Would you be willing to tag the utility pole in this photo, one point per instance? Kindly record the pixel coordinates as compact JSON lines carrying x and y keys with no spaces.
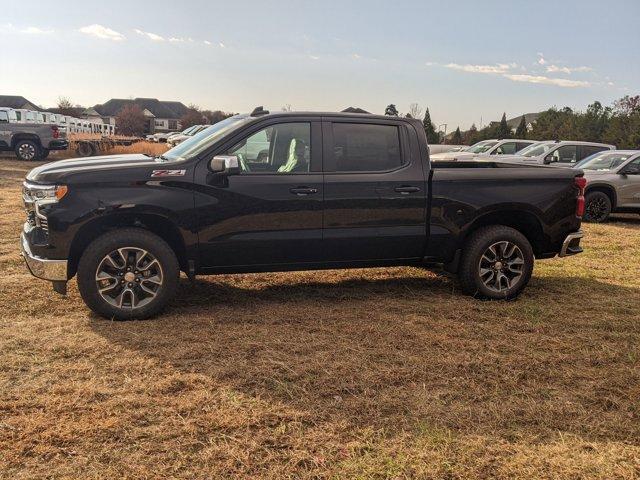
{"x":444,"y":137}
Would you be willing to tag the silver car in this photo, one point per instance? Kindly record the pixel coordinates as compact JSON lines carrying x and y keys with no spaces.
{"x":483,"y":149}
{"x":558,"y":153}
{"x":613,"y":184}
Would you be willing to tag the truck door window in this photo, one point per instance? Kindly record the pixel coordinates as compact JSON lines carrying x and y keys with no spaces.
{"x":284,"y":148}
{"x":508,"y":148}
{"x":4,"y":118}
{"x":565,"y":154}
{"x":366,"y":147}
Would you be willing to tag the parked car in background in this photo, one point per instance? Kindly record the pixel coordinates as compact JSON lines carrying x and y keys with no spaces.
{"x":26,"y":116}
{"x":8,"y":115}
{"x":334,"y":190}
{"x":30,"y":141}
{"x":613,"y":184}
{"x":485,"y":148}
{"x":559,"y":153}
{"x":174,"y":140}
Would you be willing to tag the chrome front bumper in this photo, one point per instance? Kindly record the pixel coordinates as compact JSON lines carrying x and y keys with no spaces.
{"x":571,"y":244}
{"x":53,"y":270}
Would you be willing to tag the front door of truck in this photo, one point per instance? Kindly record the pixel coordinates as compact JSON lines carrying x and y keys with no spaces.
{"x":271,"y":212}
{"x":629,"y":187}
{"x":374,"y":191}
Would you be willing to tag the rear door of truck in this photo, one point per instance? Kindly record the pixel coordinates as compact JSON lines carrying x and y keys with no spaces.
{"x":374,"y":190}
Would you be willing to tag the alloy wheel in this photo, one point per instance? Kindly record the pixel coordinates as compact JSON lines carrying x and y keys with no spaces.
{"x":501,"y":266}
{"x":596,"y":209}
{"x":129,"y":277}
{"x":27,"y":151}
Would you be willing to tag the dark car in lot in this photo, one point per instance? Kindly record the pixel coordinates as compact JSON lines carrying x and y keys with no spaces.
{"x":333,"y":191}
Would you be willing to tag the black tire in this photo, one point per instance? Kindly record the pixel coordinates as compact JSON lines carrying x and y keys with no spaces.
{"x":44,"y":153}
{"x":27,"y":150}
{"x":597,"y":207}
{"x":136,"y":238}
{"x":85,"y":149}
{"x":472,"y":260}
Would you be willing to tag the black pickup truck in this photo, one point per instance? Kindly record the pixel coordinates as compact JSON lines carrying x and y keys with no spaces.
{"x":292,"y":191}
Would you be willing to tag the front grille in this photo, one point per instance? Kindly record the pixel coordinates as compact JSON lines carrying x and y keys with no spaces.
{"x":44,"y":223}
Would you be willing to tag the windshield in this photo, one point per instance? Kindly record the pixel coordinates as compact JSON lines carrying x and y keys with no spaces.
{"x":603,"y":161}
{"x":536,"y":149}
{"x":481,"y":147}
{"x":204,"y":139}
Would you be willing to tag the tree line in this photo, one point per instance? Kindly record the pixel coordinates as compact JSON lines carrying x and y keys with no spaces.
{"x":618,"y":124}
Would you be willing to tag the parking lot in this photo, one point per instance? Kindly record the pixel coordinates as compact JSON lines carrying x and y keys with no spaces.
{"x":357,"y":373}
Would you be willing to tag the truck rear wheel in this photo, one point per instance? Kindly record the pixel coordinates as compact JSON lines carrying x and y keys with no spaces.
{"x":27,"y":150}
{"x":497,"y":263}
{"x":128,"y":274}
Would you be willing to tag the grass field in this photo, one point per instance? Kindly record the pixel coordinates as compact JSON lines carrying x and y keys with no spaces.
{"x":385,"y":373}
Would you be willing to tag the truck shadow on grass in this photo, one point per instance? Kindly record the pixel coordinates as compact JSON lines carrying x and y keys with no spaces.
{"x":408,"y":350}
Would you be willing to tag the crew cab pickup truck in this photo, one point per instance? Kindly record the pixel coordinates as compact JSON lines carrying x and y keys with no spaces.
{"x":30,"y":141}
{"x":336,"y":190}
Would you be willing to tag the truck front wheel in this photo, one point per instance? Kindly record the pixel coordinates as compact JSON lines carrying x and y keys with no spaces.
{"x":497,"y":263}
{"x":27,"y":150}
{"x":128,"y":274}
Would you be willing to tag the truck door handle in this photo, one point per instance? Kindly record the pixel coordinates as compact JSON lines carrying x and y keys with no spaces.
{"x":301,"y":191}
{"x":407,"y":190}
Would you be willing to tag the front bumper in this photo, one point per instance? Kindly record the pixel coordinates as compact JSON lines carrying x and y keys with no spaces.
{"x":53,"y":270}
{"x":571,"y":244}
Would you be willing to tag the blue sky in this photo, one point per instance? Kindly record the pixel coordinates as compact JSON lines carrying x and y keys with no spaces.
{"x":465,"y":60}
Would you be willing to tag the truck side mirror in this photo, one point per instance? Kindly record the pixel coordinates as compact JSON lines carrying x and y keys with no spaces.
{"x":225,"y":164}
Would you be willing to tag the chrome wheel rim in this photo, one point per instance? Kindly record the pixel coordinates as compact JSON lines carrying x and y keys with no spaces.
{"x":501,"y":266}
{"x":129,"y":278}
{"x":27,"y":151}
{"x":596,"y":209}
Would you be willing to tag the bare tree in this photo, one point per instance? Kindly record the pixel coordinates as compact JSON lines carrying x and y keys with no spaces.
{"x":286,"y":107}
{"x":65,"y":105}
{"x":415,"y":111}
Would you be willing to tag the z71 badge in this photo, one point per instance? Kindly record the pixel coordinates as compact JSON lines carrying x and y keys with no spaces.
{"x":168,"y":173}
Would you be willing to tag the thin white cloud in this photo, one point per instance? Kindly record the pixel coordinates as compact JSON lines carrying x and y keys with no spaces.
{"x":512,"y":71}
{"x":560,"y":82}
{"x":495,"y":69}
{"x":102,"y":32}
{"x":207,"y":42}
{"x":314,"y":57}
{"x":221,"y":45}
{"x":541,"y":60}
{"x":356,"y":56}
{"x":176,"y":39}
{"x":36,"y":31}
{"x":567,"y":70}
{"x":151,"y":36}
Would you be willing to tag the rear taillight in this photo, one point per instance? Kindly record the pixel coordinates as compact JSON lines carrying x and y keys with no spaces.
{"x":54,"y":131}
{"x":581,"y":183}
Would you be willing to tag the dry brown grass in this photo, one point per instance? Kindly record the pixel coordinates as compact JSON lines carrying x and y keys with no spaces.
{"x":143,"y":146}
{"x":386,"y":373}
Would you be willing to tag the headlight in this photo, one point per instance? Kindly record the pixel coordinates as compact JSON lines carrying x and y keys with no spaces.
{"x":43,"y":194}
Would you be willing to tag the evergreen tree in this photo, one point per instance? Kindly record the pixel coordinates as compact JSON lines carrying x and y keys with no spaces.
{"x":391,"y":110}
{"x":521,"y":131}
{"x":430,"y":129}
{"x":503,"y":129}
{"x":457,"y":137}
{"x":471,"y":135}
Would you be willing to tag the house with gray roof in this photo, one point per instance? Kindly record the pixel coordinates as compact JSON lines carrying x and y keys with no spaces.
{"x":162,"y":116}
{"x":17,"y":102}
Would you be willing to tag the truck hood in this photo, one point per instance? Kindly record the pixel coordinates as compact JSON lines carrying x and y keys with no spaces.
{"x":63,"y":170}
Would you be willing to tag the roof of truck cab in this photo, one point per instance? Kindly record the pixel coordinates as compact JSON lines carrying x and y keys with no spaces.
{"x":330,"y":114}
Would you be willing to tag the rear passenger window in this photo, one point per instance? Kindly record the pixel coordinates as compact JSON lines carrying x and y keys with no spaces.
{"x":366,"y":147}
